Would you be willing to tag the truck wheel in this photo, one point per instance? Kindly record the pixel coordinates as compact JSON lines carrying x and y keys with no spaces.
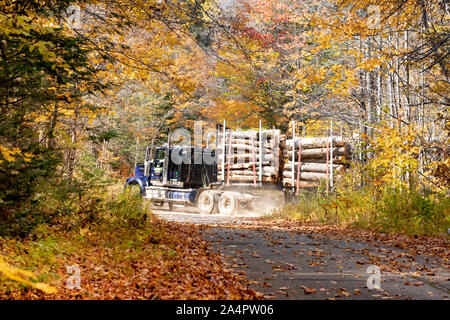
{"x":206,"y":202}
{"x":228,"y":203}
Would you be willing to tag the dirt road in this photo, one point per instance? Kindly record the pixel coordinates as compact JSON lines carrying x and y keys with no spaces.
{"x":312,"y":264}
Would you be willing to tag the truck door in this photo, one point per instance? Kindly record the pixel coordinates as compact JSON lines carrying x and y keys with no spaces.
{"x":157,"y":168}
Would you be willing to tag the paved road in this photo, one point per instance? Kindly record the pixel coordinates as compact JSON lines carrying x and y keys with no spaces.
{"x":191,"y":215}
{"x":303,"y":265}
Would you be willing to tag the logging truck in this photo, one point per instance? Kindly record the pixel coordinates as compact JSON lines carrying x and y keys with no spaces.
{"x":250,"y":170}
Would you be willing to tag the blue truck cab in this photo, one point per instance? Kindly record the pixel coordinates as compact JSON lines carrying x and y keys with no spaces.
{"x":163,"y":180}
{"x":140,"y":177}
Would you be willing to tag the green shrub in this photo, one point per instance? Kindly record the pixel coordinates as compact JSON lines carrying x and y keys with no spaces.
{"x":67,"y":202}
{"x":392,"y":210}
{"x":413,"y":213}
{"x":127,"y":209}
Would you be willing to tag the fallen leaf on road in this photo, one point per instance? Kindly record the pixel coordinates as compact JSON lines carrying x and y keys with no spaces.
{"x":254,"y":254}
{"x":309,"y":290}
{"x":416,"y":284}
{"x":344,"y":293}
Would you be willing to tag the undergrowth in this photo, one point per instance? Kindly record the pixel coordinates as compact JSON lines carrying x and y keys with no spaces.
{"x":119,"y":218}
{"x":390,"y":211}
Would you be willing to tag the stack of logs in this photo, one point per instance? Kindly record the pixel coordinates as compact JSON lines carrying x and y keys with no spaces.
{"x":315,"y":160}
{"x":242,"y":156}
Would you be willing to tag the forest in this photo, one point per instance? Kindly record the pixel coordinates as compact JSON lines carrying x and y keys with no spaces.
{"x":86,"y":86}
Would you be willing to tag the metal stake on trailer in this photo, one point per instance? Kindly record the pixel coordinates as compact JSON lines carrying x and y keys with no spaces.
{"x":328,"y":165}
{"x":331,"y":154}
{"x":223,"y":150}
{"x":254,"y":160}
{"x":299,"y":165}
{"x":260,"y":152}
{"x":293,"y":154}
{"x":217,"y":142}
{"x":229,"y":161}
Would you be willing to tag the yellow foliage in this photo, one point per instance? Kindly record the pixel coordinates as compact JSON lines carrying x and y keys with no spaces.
{"x":237,"y":113}
{"x":394,"y":155}
{"x":8,"y":154}
{"x":24,"y":277}
{"x":11,"y":154}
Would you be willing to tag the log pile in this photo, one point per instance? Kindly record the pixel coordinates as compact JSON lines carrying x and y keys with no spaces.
{"x":240,"y":156}
{"x":243,"y":156}
{"x":315,"y":160}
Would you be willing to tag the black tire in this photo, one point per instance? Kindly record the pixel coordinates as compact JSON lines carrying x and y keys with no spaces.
{"x":207,"y":201}
{"x":228,"y":203}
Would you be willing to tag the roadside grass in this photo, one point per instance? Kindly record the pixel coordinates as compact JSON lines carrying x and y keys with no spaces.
{"x":117,"y":222}
{"x":123,"y":252}
{"x":388,"y":211}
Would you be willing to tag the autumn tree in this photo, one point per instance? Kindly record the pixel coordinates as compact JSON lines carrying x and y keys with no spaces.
{"x":40,"y":65}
